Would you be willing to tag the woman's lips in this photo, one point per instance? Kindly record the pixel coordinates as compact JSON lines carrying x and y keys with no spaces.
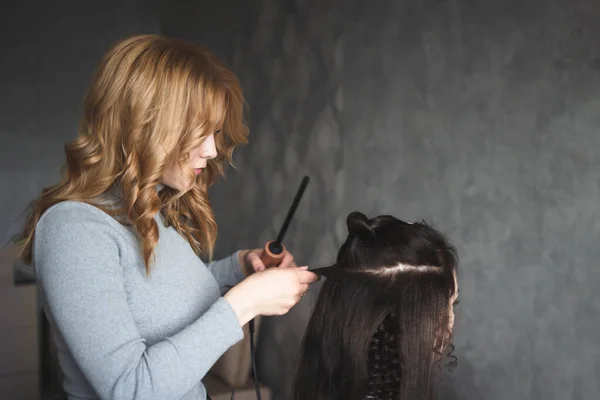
{"x":197,"y":170}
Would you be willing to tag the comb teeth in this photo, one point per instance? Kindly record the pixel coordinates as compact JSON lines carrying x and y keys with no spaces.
{"x":325,"y":271}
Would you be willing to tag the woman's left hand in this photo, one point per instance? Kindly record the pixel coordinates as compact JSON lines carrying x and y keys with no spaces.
{"x":250,"y":261}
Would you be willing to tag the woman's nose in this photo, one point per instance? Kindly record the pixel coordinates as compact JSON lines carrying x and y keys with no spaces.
{"x":208,"y":149}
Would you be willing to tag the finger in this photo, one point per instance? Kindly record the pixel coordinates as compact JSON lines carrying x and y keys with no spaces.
{"x":287,"y":261}
{"x":305,"y":268}
{"x":307,"y":276}
{"x":255,"y":262}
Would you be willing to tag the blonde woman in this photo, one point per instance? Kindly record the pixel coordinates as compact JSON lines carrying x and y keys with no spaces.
{"x":116,"y":244}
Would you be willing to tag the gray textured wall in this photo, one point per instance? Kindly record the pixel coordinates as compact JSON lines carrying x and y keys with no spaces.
{"x":480,"y":116}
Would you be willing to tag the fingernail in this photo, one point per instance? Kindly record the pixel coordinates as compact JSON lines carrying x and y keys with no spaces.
{"x":304,"y":267}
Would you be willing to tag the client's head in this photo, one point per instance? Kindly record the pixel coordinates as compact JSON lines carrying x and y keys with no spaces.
{"x":384,"y":316}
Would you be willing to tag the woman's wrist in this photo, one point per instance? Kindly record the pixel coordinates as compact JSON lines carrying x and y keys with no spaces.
{"x":240,"y":305}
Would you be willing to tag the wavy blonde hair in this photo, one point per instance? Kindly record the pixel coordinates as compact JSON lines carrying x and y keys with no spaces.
{"x":152,"y":100}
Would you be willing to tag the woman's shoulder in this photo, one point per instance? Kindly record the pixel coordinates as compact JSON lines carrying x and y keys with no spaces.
{"x":72,"y":210}
{"x":72,"y":216}
{"x":73,"y":237}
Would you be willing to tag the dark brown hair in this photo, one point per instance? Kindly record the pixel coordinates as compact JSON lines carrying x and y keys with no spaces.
{"x":382,"y":320}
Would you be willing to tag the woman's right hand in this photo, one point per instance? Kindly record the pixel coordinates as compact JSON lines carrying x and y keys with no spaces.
{"x":273,"y":291}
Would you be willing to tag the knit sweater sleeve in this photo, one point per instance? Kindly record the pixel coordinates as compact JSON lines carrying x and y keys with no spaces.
{"x":227,"y":272}
{"x":76,"y":256}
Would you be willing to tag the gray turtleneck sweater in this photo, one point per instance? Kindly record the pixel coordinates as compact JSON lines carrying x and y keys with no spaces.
{"x":120,"y":333}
